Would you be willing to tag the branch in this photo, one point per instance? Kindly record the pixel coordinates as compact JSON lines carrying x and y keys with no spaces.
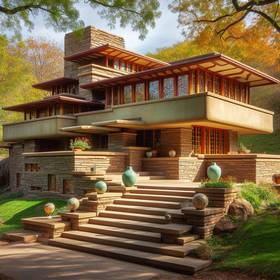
{"x":251,"y":4}
{"x":216,"y":19}
{"x":268,"y":18}
{"x":23,"y":8}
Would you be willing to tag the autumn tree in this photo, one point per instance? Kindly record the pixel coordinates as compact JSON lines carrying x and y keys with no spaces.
{"x":63,"y":15}
{"x":46,"y":58}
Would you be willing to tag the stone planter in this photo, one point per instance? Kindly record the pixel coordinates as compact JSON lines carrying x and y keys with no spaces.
{"x":219,"y":197}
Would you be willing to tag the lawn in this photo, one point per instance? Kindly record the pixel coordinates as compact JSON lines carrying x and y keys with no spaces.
{"x":263,"y":143}
{"x":253,"y":248}
{"x":13,"y":209}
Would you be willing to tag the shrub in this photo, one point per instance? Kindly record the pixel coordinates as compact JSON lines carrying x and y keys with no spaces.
{"x":217,"y":184}
{"x":80,"y":143}
{"x":259,"y":195}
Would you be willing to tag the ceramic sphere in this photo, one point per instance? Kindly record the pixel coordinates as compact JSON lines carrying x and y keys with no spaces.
{"x":172,"y":153}
{"x":100,"y":187}
{"x":73,"y":204}
{"x":200,"y":201}
{"x":49,"y":208}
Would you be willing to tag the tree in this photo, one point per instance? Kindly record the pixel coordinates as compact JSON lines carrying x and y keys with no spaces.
{"x":63,"y":15}
{"x":46,"y":58}
{"x":222,"y":15}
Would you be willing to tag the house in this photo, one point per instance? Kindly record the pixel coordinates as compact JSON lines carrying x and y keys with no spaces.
{"x":127,"y":103}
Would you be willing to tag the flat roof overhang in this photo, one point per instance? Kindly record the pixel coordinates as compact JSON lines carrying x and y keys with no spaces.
{"x":116,"y":52}
{"x":89,"y":129}
{"x":216,"y":63}
{"x":48,"y":85}
{"x":55,"y":99}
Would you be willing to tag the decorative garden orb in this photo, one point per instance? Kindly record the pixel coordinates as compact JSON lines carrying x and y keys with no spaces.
{"x":100,"y":187}
{"x":49,"y":209}
{"x":73,"y":204}
{"x":149,"y":154}
{"x":129,"y":177}
{"x":214,"y":172}
{"x":200,"y":201}
{"x":172,"y":153}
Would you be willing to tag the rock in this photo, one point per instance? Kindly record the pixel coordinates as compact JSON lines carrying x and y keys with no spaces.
{"x":225,"y":225}
{"x":203,"y":251}
{"x":241,"y":209}
{"x":200,"y":201}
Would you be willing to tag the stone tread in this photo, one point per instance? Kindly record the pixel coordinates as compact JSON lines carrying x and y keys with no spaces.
{"x":133,"y":216}
{"x":186,"y":239}
{"x":172,"y":198}
{"x":185,"y":265}
{"x":165,"y":187}
{"x":122,"y":232}
{"x":164,"y":192}
{"x":171,"y":228}
{"x":23,"y":235}
{"x":145,"y":210}
{"x":158,"y":248}
{"x":148,"y":203}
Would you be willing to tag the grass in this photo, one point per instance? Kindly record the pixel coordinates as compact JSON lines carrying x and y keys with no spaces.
{"x":266,"y":143}
{"x":217,"y":184}
{"x":253,"y":248}
{"x":13,"y":209}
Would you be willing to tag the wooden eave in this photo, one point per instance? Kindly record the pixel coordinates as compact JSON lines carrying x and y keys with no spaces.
{"x":112,"y":51}
{"x":48,"y":85}
{"x":56,"y":99}
{"x":89,"y":129}
{"x":215,"y":63}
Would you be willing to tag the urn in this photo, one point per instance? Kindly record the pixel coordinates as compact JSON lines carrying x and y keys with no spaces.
{"x":214,"y":172}
{"x":129,"y":177}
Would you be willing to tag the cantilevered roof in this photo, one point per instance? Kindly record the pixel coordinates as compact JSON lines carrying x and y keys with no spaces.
{"x":216,"y":63}
{"x":48,"y":85}
{"x":116,"y":52}
{"x":53,"y":100}
{"x":89,"y":129}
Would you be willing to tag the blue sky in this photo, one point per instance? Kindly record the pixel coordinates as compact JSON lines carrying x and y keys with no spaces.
{"x":164,"y":34}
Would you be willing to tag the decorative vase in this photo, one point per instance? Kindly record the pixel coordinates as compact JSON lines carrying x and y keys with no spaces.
{"x":172,"y":153}
{"x":73,"y":204}
{"x":49,"y":209}
{"x":129,"y":177}
{"x":100,"y":187}
{"x":200,"y":201}
{"x":149,"y":154}
{"x":214,"y":172}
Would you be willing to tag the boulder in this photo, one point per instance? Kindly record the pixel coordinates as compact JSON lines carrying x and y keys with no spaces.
{"x":225,"y":225}
{"x":241,"y":209}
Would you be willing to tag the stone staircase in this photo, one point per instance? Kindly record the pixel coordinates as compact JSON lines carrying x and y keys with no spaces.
{"x":145,"y":225}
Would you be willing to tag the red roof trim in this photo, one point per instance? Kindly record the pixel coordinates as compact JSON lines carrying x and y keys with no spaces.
{"x":55,"y":82}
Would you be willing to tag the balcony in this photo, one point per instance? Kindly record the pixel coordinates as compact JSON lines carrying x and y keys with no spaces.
{"x":205,"y":109}
{"x":38,"y":128}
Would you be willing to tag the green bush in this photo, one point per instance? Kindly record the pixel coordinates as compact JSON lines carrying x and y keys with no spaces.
{"x":217,"y":184}
{"x":259,"y":195}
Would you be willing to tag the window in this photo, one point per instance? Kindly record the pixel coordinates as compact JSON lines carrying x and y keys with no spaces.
{"x":226,"y":88}
{"x":140,"y":92}
{"x":168,"y":87}
{"x":209,"y":82}
{"x":52,"y":183}
{"x":193,"y":78}
{"x":201,"y":81}
{"x":217,"y":85}
{"x":127,"y":92}
{"x":116,"y":95}
{"x":31,"y":167}
{"x":123,"y":66}
{"x":183,"y":85}
{"x":68,"y":186}
{"x":154,"y":90}
{"x":18,"y":180}
{"x":116,"y":64}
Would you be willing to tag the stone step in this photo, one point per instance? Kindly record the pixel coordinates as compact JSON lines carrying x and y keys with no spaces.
{"x":157,"y":197}
{"x":146,"y":210}
{"x":184,"y":265}
{"x":182,"y":240}
{"x":134,"y":217}
{"x":26,"y":236}
{"x":148,"y":203}
{"x":171,"y":228}
{"x":164,"y":192}
{"x":179,"y":251}
{"x":166,"y":187}
{"x":122,"y":232}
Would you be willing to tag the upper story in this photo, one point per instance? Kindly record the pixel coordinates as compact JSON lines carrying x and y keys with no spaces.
{"x":104,"y":82}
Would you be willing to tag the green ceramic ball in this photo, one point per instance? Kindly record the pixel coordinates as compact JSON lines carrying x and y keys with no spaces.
{"x":100,"y":187}
{"x":73,"y":204}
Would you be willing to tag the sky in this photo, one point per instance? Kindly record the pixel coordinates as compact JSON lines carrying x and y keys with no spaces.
{"x":165,"y":34}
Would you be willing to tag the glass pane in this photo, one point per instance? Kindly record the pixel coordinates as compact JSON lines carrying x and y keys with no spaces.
{"x":123,"y":66}
{"x":226,"y":88}
{"x":140,"y":92}
{"x":217,"y":85}
{"x":183,"y":85}
{"x":154,"y":90}
{"x":168,"y":87}
{"x":127,"y":94}
{"x":201,"y":82}
{"x":116,"y":64}
{"x":209,"y":83}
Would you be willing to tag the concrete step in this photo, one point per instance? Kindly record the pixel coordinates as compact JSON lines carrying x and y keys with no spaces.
{"x":182,"y":240}
{"x":148,"y":203}
{"x":157,"y":197}
{"x":26,"y":236}
{"x":171,"y":228}
{"x":146,"y":210}
{"x":122,"y":232}
{"x":179,"y":251}
{"x":134,"y":217}
{"x":184,"y":265}
{"x":164,"y":192}
{"x":165,"y":187}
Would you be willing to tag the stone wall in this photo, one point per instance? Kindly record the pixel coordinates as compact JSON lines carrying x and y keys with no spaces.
{"x":117,"y":141}
{"x":16,"y":165}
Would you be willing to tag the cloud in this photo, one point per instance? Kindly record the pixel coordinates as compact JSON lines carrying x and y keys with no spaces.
{"x":164,"y":34}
